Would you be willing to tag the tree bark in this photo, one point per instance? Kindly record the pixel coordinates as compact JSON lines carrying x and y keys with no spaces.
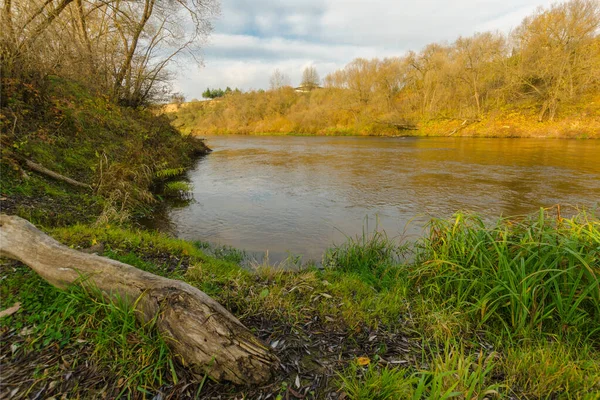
{"x":125,"y":69}
{"x":199,"y":330}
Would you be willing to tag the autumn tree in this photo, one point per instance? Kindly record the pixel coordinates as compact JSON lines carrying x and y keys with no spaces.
{"x":475,"y":58}
{"x":551,"y":59}
{"x":123,"y":47}
{"x":557,"y":52}
{"x":278,"y":80}
{"x":310,"y":78}
{"x":429,"y":76}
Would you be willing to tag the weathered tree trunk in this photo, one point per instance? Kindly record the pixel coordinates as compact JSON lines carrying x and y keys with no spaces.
{"x":42,"y":170}
{"x":198,"y":329}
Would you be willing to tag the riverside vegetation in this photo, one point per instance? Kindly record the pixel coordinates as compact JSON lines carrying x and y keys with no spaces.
{"x":472,"y":310}
{"x":503,"y":311}
{"x":542,"y":80}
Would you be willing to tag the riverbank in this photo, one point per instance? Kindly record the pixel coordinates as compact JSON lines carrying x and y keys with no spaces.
{"x":504,"y":311}
{"x":509,"y":310}
{"x":250,"y":114}
{"x":124,"y":161}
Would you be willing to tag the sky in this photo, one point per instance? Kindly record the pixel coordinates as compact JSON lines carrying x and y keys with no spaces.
{"x":252,"y":38}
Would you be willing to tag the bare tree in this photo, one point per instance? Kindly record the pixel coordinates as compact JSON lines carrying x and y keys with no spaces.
{"x":162,"y":31}
{"x":123,"y":47}
{"x":310,"y":78}
{"x":557,"y":52}
{"x":278,"y":80}
{"x":474,"y":57}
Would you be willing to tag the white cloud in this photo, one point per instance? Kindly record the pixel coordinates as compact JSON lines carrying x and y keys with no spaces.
{"x":253,"y":37}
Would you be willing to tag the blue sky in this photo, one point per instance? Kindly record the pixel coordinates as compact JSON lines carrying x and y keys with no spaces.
{"x":254,"y":37}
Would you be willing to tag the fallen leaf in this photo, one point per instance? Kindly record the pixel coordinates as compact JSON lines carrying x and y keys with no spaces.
{"x":28,"y":330}
{"x":10,"y":310}
{"x":363,"y":360}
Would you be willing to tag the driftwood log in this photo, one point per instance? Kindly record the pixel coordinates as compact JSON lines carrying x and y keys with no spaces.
{"x":197,"y":328}
{"x":54,"y":175}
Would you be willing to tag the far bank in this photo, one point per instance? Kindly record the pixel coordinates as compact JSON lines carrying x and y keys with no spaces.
{"x":306,"y":114}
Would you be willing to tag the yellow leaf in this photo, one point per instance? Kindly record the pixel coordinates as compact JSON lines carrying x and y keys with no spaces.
{"x":363,"y":361}
{"x":94,"y":241}
{"x":10,"y":310}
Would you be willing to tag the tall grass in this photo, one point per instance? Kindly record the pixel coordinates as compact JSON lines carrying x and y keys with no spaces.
{"x":373,"y":256}
{"x":536,"y":275}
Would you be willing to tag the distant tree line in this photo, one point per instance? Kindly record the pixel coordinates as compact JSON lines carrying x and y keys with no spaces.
{"x":546,"y":68}
{"x":215,"y":93}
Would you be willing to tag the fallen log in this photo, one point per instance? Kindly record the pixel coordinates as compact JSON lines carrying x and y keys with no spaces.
{"x":401,"y":126}
{"x":54,"y":175}
{"x":206,"y":337}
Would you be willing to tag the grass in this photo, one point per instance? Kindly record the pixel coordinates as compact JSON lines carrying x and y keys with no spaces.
{"x":540,"y":275}
{"x":126,"y":155}
{"x":553,"y":369}
{"x":92,"y":330}
{"x":482,"y":311}
{"x":451,"y":375}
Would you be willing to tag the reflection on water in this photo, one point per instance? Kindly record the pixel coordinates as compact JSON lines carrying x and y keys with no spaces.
{"x":302,"y":194}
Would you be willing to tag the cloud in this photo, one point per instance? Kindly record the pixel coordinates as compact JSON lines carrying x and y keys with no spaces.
{"x":245,"y":47}
{"x":252,"y":38}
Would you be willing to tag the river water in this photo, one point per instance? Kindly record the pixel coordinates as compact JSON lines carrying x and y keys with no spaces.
{"x":300,"y":195}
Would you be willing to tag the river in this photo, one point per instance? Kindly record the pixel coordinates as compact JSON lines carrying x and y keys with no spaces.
{"x":300,"y":195}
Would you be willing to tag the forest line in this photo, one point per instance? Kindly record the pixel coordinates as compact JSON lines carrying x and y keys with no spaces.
{"x":543,"y":78}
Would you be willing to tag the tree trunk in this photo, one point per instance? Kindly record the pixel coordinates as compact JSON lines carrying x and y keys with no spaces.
{"x":198,"y":329}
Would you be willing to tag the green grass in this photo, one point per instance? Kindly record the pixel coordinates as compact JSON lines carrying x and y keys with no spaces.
{"x":540,"y":275}
{"x":496,"y":310}
{"x":121,"y":152}
{"x":373,"y":257}
{"x":105,"y":333}
{"x":377,"y":383}
{"x":452,"y":374}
